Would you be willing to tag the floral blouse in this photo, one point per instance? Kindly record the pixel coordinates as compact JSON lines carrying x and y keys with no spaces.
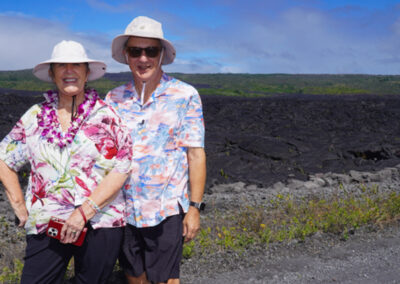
{"x":62,"y":177}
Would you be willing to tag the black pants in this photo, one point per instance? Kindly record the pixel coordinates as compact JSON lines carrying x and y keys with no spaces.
{"x":46,"y":259}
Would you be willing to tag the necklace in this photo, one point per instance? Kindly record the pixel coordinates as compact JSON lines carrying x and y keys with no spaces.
{"x":48,"y":120}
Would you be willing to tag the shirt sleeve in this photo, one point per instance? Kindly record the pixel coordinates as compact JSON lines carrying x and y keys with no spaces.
{"x":191,"y":133}
{"x":107,"y":98}
{"x":125,"y":148}
{"x":13,"y":148}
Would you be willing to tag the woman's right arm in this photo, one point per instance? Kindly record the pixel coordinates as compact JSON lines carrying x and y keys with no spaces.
{"x":9,"y":178}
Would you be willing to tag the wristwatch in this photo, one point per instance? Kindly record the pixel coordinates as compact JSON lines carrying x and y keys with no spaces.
{"x":198,"y":205}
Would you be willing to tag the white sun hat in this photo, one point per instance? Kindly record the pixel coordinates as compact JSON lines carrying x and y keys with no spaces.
{"x":142,"y":27}
{"x":68,"y":51}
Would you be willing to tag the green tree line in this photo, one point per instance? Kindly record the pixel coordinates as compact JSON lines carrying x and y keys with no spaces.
{"x":245,"y":85}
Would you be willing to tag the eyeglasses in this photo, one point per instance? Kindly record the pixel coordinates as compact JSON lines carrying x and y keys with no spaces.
{"x":150,"y":51}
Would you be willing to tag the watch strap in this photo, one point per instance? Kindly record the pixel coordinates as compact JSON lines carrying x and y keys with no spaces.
{"x":198,"y":205}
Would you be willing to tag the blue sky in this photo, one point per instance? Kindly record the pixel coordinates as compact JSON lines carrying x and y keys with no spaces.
{"x":214,"y":36}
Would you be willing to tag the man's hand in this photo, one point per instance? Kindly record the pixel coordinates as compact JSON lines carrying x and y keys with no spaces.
{"x":191,"y":224}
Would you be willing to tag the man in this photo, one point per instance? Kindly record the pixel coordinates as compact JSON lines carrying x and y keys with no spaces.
{"x":165,"y":118}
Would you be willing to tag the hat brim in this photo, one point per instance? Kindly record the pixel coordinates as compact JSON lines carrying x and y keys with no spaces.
{"x":118,"y":45}
{"x":97,"y":68}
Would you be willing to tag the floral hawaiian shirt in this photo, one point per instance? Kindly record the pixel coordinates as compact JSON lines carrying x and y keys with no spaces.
{"x":62,"y":178}
{"x":162,"y":129}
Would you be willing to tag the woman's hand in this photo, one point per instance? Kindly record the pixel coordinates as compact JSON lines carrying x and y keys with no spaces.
{"x":106,"y":191}
{"x":14,"y":193}
{"x":72,"y":228}
{"x":21,"y":213}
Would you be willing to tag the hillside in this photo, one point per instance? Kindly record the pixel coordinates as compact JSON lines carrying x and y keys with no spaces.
{"x":245,"y":85}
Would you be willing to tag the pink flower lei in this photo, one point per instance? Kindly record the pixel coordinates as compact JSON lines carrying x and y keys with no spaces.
{"x":48,"y":120}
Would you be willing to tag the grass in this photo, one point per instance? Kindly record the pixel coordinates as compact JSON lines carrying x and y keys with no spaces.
{"x":284,"y":219}
{"x":242,"y":85}
{"x":281,"y":219}
{"x":12,"y":275}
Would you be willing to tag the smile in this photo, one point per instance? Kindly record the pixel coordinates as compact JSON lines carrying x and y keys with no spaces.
{"x":70,"y":80}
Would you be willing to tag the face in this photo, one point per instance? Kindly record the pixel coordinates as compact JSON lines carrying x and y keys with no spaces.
{"x":144,"y":67}
{"x":70,"y":78}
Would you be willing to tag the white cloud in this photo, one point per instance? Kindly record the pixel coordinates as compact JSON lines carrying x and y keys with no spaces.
{"x":263,"y":38}
{"x":27,"y":41}
{"x":302,"y":40}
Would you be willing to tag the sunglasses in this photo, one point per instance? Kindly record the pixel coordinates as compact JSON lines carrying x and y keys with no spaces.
{"x":150,"y":51}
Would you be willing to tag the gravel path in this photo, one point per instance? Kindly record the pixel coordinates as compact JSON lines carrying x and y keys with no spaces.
{"x":366,"y":257}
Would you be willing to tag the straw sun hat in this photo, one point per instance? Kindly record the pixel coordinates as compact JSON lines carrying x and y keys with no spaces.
{"x":142,"y":27}
{"x":68,"y":51}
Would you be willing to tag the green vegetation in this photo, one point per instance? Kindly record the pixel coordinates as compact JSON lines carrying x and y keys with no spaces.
{"x":267,"y":84}
{"x":283,"y":219}
{"x":279,"y":220}
{"x":7,"y":237}
{"x":245,"y":85}
{"x":12,"y":275}
{"x":22,"y":80}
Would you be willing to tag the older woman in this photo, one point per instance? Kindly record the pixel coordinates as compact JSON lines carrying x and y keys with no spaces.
{"x":80,"y":156}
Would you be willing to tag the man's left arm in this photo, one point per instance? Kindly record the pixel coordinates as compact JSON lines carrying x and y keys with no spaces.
{"x":197,"y":180}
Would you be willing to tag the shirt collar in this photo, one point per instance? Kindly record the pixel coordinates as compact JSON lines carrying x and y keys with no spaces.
{"x":158,"y":91}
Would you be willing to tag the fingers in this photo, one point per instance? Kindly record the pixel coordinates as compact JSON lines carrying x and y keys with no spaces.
{"x":190,"y":230}
{"x":191,"y":224}
{"x":191,"y":233}
{"x":74,"y":236}
{"x":21,"y":221}
{"x":21,"y":215}
{"x":72,"y":228}
{"x":185,"y":229}
{"x":69,"y":234}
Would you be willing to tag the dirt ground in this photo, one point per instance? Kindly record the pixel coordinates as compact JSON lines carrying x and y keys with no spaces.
{"x":296,"y":138}
{"x":366,"y":257}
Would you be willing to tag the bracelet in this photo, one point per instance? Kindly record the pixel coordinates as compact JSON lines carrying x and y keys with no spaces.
{"x":83,"y":214}
{"x":93,"y":205}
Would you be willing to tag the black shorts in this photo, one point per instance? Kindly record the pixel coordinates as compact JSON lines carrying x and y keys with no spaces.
{"x":46,"y":259}
{"x":155,"y":250}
